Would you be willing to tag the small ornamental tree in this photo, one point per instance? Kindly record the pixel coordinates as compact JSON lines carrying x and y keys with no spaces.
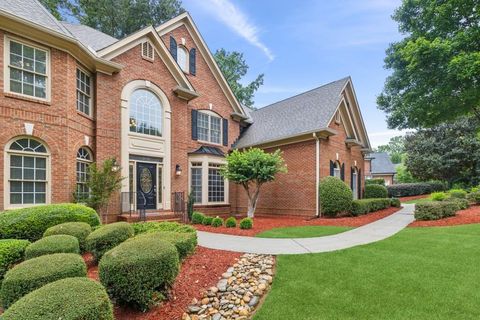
{"x":251,"y":169}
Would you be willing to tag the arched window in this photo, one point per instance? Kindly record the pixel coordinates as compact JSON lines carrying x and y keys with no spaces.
{"x":182,"y":58}
{"x":27,"y":172}
{"x":337,"y":170}
{"x":146,"y":113}
{"x":354,"y":182}
{"x":84,"y":159}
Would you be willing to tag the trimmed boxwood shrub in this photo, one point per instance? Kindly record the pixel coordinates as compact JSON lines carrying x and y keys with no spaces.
{"x":66,"y":299}
{"x":373,"y":191}
{"x":335,"y":196}
{"x":207,"y":220}
{"x":231,"y":222}
{"x":474,"y":197}
{"x":185,"y":243}
{"x":197,"y":217}
{"x":142,"y":227}
{"x":217,"y":222}
{"x":12,"y":251}
{"x":246,"y":223}
{"x":138,"y":271}
{"x":31,"y":223}
{"x":107,"y":237}
{"x":375,"y":181}
{"x":457,"y":193}
{"x":364,"y":206}
{"x":414,"y":189}
{"x":434,"y":210}
{"x":35,"y":273}
{"x":395,"y":202}
{"x":79,"y":230}
{"x":61,"y":243}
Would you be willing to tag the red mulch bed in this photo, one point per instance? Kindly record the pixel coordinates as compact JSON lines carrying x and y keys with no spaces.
{"x":467,"y":216}
{"x":263,"y":223}
{"x":198,"y":272}
{"x":404,"y":199}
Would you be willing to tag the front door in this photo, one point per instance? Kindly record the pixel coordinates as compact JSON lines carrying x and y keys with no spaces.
{"x":146,"y":186}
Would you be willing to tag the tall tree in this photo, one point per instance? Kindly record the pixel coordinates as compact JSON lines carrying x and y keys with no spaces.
{"x":55,"y":7}
{"x":436,"y":67}
{"x":234,"y":68}
{"x":395,"y":148}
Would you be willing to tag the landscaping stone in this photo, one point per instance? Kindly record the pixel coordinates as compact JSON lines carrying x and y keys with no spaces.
{"x":238,"y":292}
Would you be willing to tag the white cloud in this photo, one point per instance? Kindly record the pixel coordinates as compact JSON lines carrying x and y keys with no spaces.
{"x":382,"y":137}
{"x":235,"y":19}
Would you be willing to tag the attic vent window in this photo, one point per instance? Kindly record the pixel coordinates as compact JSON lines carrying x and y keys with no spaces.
{"x":147,"y":51}
{"x":337,"y":117}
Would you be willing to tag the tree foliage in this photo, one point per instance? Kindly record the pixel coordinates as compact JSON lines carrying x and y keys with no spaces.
{"x":395,"y":148}
{"x":251,"y":169}
{"x":448,"y":152}
{"x":55,"y":7}
{"x":234,"y":68}
{"x":436,"y":67}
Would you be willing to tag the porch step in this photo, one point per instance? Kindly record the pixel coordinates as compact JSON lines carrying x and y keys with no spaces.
{"x":150,"y":216}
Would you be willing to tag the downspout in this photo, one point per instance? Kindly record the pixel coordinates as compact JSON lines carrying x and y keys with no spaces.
{"x":317,"y":176}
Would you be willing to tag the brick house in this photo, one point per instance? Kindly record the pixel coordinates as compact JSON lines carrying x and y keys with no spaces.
{"x":379,"y":166}
{"x":157,"y":103}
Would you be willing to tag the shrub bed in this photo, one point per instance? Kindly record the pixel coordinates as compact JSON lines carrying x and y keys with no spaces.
{"x":434,"y":210}
{"x":364,"y":206}
{"x":107,"y":237}
{"x":414,"y":189}
{"x":79,"y":230}
{"x":457,"y":193}
{"x":12,"y":251}
{"x":61,"y":243}
{"x":246,"y":223}
{"x":474,"y":197}
{"x":375,"y":181}
{"x":461,"y":203}
{"x":217,"y":222}
{"x":207,"y":221}
{"x":142,"y":227}
{"x":67,"y":299}
{"x":231,"y":222}
{"x":335,"y":196}
{"x":375,"y":191}
{"x":197,"y":217}
{"x":395,"y":202}
{"x":185,"y":243}
{"x":438,"y":196}
{"x":35,"y":273}
{"x":31,"y":223}
{"x":139,"y":270}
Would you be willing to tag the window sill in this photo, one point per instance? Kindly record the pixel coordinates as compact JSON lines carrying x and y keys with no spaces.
{"x":86,"y":116}
{"x":27,"y":98}
{"x":22,"y":206}
{"x":211,"y":204}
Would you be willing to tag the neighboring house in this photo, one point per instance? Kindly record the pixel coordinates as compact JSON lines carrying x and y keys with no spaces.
{"x":157,"y":102}
{"x":379,"y":166}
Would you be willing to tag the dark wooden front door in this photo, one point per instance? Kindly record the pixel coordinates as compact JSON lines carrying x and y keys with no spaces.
{"x":146,"y":186}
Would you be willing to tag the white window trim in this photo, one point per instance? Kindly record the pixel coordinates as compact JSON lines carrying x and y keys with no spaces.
{"x":337,"y":168}
{"x":6,"y":171}
{"x":338,"y":118}
{"x":90,"y":107}
{"x":187,"y":59}
{"x":210,"y":115}
{"x":146,"y":57}
{"x":206,"y":160}
{"x":6,"y":68}
{"x":88,"y":162}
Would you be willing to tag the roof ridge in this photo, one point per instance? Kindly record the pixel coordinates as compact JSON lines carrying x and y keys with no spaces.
{"x":50,"y":15}
{"x":86,"y":26}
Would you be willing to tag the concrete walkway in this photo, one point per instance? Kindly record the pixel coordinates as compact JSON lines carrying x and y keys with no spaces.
{"x":372,"y":232}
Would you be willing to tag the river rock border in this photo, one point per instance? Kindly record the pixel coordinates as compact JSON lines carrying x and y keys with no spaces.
{"x":238,"y":292}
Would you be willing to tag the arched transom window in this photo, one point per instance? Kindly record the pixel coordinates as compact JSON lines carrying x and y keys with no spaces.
{"x":27,"y":172}
{"x":146,"y":113}
{"x":84,"y":159}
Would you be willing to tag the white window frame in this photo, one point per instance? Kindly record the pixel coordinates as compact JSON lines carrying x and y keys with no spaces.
{"x":6,"y":171}
{"x":205,"y":161}
{"x":355,"y":183}
{"x":211,"y":115}
{"x":186,"y":67}
{"x":337,"y":170}
{"x":6,"y":69}
{"x":89,"y":95}
{"x":87,"y":163}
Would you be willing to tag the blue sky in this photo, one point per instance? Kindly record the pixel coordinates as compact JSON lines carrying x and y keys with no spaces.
{"x":300,"y":45}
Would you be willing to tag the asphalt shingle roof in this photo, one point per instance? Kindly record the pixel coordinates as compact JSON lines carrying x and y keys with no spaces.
{"x":303,"y":113}
{"x":381,"y":163}
{"x":88,"y":36}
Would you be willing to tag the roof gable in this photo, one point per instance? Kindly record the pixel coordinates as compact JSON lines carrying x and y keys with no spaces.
{"x":381,"y":163}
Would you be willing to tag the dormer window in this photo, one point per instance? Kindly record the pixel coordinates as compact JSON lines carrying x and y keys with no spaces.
{"x":182,"y":58}
{"x":147,"y":51}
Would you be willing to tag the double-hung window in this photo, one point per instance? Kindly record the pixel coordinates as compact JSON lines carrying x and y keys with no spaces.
{"x":209,"y":128}
{"x":84,"y":160}
{"x":216,"y":184}
{"x":84,"y":92}
{"x":207,"y":185}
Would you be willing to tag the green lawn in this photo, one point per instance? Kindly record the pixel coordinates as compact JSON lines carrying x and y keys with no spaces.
{"x":302,"y":232}
{"x":419,"y":200}
{"x":420,"y":273}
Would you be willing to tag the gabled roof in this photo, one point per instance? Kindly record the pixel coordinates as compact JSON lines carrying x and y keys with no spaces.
{"x":307,"y":112}
{"x":213,"y":151}
{"x":381,"y":163}
{"x":88,"y":36}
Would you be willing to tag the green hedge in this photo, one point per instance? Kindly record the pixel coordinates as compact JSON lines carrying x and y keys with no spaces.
{"x":461,"y":203}
{"x":364,"y":206}
{"x":197,"y":217}
{"x":61,"y":243}
{"x":142,"y":227}
{"x":12,"y":251}
{"x":79,"y":230}
{"x":457,"y":193}
{"x":37,"y":272}
{"x":139,"y":270}
{"x":246,"y":223}
{"x":107,"y":237}
{"x":414,"y":189}
{"x":31,"y":223}
{"x":375,"y":181}
{"x":207,"y":221}
{"x":434,"y":210}
{"x":231,"y":222}
{"x":474,"y":197}
{"x":185,"y":243}
{"x":395,"y":202}
{"x":217,"y":222}
{"x":375,"y":191}
{"x":66,"y":299}
{"x":335,"y":196}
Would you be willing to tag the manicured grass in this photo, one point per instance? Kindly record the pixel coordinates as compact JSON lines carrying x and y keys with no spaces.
{"x":302,"y":232}
{"x":419,"y":200}
{"x":420,"y":273}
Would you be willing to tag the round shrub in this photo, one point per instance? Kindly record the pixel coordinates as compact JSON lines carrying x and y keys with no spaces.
{"x":107,"y":237}
{"x":142,"y":227}
{"x":139,"y":270}
{"x":66,"y":299}
{"x":31,"y":223}
{"x":185,"y":243}
{"x":395,"y":202}
{"x":207,"y":221}
{"x":458,"y":193}
{"x":12,"y":251}
{"x":231,"y":222}
{"x":375,"y":191}
{"x":246,"y":223}
{"x":335,"y":196}
{"x":379,"y":181}
{"x":217,"y":222}
{"x":474,"y":197}
{"x":197,"y":217}
{"x":61,"y":243}
{"x":35,"y":273}
{"x":438,"y":196}
{"x":79,"y":230}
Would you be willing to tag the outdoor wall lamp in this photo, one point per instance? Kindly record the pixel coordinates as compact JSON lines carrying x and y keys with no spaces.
{"x":178,"y":170}
{"x":115,"y":166}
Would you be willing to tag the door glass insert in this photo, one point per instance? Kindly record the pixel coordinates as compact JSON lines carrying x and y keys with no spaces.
{"x":146,"y":180}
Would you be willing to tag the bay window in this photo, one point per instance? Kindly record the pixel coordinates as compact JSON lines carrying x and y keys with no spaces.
{"x":207,"y":185}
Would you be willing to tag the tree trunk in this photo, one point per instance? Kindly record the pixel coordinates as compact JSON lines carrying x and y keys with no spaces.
{"x":252,"y":199}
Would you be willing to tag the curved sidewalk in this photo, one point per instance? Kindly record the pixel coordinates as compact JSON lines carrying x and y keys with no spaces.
{"x":372,"y":232}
